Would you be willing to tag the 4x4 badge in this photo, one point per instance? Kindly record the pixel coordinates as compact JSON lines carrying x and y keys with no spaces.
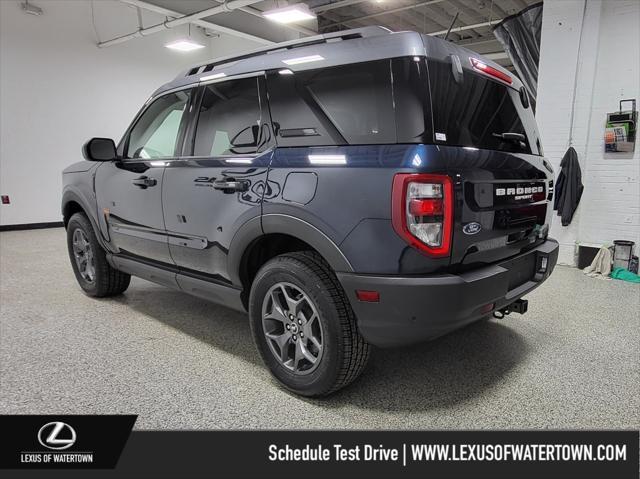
{"x":471,"y":228}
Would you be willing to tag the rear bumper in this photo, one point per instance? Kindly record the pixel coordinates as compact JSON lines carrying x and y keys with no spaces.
{"x":415,"y":309}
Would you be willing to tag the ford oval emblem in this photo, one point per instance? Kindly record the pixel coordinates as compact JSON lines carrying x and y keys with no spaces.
{"x":471,"y":228}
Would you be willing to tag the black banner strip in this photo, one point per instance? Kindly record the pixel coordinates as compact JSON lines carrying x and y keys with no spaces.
{"x":316,"y":454}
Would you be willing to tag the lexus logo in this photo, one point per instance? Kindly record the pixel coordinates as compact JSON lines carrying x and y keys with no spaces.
{"x":57,"y":435}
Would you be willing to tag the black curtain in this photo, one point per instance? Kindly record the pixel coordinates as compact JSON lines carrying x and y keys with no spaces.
{"x":519,"y":34}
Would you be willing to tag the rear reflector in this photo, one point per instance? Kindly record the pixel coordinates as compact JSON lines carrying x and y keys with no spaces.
{"x":487,"y":308}
{"x":482,"y":67}
{"x":368,"y":296}
{"x":543,"y":262}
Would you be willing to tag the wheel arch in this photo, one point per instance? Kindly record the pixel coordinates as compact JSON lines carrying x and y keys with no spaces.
{"x":72,"y":203}
{"x":263,"y":238}
{"x":70,"y":208}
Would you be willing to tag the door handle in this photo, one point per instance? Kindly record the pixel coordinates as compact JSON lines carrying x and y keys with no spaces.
{"x":144,"y":182}
{"x":231,"y":185}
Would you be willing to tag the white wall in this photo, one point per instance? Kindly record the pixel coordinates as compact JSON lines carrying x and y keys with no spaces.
{"x":608,"y":70}
{"x":58,"y":89}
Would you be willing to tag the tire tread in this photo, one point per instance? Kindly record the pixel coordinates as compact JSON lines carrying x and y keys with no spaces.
{"x":356,"y":350}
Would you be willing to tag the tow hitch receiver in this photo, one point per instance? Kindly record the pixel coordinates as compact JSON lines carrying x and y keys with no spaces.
{"x":519,"y":306}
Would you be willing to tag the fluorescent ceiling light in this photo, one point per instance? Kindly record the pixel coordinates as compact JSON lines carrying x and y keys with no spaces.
{"x":213,"y":77}
{"x":290,"y":14}
{"x":242,"y":161}
{"x":157,"y":163}
{"x":31,"y":9}
{"x":184,"y":45}
{"x":299,"y":60}
{"x":286,"y":71}
{"x":327,"y":159}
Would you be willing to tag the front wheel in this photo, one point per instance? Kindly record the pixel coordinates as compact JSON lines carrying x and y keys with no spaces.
{"x":304,"y":326}
{"x":93,"y":272}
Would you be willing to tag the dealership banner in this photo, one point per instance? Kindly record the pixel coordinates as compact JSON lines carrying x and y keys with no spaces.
{"x":63,"y":442}
{"x":105,"y":446}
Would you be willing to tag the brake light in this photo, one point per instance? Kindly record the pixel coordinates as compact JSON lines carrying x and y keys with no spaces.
{"x":422,"y":211}
{"x":426,"y":207}
{"x":482,"y":67}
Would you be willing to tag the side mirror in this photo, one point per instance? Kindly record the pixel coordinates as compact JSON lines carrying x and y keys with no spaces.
{"x":99,"y":149}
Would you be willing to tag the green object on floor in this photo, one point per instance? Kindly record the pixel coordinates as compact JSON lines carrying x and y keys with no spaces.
{"x":625,"y":275}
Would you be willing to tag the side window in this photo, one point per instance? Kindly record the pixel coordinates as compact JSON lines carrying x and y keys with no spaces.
{"x":412,"y":100}
{"x":348,"y":104}
{"x":296,"y":118}
{"x":357,"y":99}
{"x":156,"y":131}
{"x":229,"y":121}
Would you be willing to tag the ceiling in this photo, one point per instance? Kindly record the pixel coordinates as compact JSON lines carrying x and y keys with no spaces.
{"x":472,"y":28}
{"x":427,"y":17}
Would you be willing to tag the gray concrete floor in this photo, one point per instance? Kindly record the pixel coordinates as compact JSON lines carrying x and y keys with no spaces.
{"x":182,"y":363}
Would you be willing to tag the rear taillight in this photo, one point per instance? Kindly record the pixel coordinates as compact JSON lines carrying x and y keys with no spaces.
{"x":482,"y":67}
{"x":422,"y":211}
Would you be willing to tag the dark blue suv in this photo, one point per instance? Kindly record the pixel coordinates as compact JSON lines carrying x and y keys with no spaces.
{"x":353,"y":189}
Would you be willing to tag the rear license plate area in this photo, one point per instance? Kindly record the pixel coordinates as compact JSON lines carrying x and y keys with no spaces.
{"x":521,"y":270}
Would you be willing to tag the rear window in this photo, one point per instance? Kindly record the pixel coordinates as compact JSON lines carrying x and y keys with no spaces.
{"x":474,"y":111}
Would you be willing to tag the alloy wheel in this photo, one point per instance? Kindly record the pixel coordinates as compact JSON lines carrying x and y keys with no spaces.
{"x":293,"y":328}
{"x":83,"y":254}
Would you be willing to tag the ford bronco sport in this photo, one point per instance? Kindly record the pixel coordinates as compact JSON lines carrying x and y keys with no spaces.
{"x":353,"y":189}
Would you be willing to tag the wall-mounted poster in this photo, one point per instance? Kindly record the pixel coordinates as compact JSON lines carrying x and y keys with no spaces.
{"x":620,"y":131}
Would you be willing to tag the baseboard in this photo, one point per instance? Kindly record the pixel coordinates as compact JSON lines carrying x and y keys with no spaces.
{"x":31,"y":226}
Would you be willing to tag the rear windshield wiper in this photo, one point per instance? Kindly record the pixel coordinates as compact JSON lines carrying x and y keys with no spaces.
{"x":508,"y":136}
{"x":516,"y":138}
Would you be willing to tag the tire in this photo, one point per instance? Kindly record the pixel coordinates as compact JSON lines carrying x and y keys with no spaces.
{"x":306,"y":278}
{"x":101,"y":280}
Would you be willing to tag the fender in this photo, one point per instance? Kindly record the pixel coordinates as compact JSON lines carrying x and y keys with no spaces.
{"x":72,"y":194}
{"x":281,"y":223}
{"x":284,"y":224}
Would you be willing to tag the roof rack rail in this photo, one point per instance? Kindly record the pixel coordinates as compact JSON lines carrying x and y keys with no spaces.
{"x":371,"y":31}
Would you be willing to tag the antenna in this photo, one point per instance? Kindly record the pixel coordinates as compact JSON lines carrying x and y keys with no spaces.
{"x":452,"y":24}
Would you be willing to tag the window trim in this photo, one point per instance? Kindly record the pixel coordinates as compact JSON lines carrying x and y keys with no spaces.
{"x":231,"y":78}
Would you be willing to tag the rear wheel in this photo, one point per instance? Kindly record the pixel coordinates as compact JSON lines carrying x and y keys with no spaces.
{"x":304,"y":327}
{"x":89,"y":262}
